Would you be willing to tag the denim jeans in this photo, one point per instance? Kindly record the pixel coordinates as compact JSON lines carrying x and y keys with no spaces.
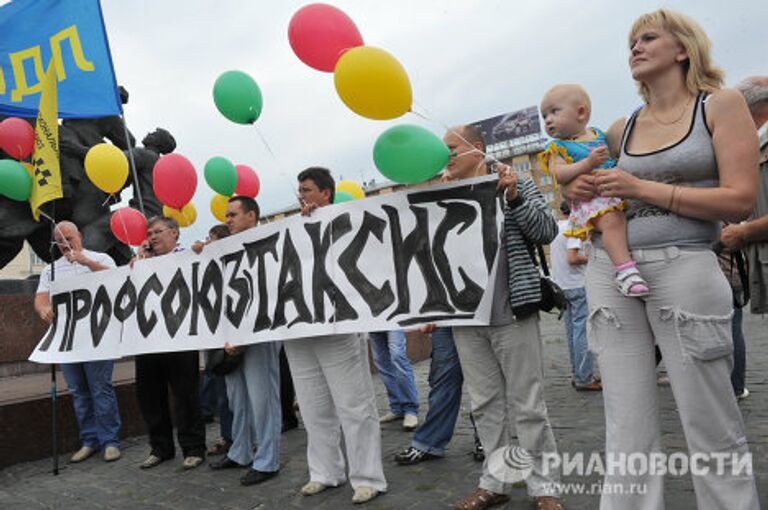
{"x":396,"y":371}
{"x":253,"y":389}
{"x":445,"y":380}
{"x":575,"y":319}
{"x":222,"y":406}
{"x":739,"y":349}
{"x":93,"y":398}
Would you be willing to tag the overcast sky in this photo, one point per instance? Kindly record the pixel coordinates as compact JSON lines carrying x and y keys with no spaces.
{"x":467,"y":60}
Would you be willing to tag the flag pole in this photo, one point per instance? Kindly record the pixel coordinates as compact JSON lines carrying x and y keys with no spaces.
{"x":54,"y":389}
{"x":136,"y":187}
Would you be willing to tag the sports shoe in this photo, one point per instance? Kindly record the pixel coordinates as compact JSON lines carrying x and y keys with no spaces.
{"x":312,"y":488}
{"x":410,"y":422}
{"x":151,"y":461}
{"x":744,"y":394}
{"x":412,"y":455}
{"x":111,"y":453}
{"x":364,"y":494}
{"x":82,"y":454}
{"x":191,"y":462}
{"x":662,"y":380}
{"x":390,"y":417}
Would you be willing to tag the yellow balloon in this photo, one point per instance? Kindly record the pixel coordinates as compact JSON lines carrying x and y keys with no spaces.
{"x":29,"y":168}
{"x":352,"y":188}
{"x":184,"y":217}
{"x":106,"y":167}
{"x":372,"y":83}
{"x":219,"y":207}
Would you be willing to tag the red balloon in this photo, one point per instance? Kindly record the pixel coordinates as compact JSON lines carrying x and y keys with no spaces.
{"x":17,"y":137}
{"x":247,"y":181}
{"x":319,"y":34}
{"x":175,"y":180}
{"x":129,"y":225}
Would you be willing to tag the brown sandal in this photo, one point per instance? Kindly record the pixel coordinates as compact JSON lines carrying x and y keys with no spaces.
{"x":481,"y":500}
{"x":548,"y":503}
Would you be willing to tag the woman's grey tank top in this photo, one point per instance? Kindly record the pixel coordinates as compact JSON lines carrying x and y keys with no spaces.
{"x":688,"y":163}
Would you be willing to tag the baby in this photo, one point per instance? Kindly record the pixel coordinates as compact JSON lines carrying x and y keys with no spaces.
{"x":578,"y":149}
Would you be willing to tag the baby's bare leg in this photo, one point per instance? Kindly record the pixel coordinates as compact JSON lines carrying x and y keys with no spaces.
{"x":613,"y":226}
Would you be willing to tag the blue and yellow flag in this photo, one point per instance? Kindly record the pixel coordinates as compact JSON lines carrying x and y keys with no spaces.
{"x":46,"y":172}
{"x":69,"y":33}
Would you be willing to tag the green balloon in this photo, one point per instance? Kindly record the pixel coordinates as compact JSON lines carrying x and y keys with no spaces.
{"x":15,"y":182}
{"x":221,"y":175}
{"x":237,"y":96}
{"x":409,"y":154}
{"x":342,"y":196}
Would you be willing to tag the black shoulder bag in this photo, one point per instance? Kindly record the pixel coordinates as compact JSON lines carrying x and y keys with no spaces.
{"x":552,"y":296}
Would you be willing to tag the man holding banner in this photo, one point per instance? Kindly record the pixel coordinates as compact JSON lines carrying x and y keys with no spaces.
{"x":253,"y":388}
{"x":89,"y":382}
{"x":502,"y":362}
{"x":335,"y":391}
{"x":179,"y":370}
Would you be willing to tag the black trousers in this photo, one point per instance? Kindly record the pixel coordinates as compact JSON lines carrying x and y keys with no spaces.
{"x":180,"y":371}
{"x":287,"y":393}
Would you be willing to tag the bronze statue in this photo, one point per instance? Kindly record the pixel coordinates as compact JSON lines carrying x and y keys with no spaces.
{"x":83,"y":203}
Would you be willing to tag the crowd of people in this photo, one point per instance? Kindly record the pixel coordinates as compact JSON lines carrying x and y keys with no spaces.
{"x":650,"y":195}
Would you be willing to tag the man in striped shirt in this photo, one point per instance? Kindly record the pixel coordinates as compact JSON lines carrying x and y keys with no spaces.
{"x":502,"y":362}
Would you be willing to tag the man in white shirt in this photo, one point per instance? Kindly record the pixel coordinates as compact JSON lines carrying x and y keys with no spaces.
{"x":568,"y":268}
{"x":335,"y":390}
{"x":90,"y":382}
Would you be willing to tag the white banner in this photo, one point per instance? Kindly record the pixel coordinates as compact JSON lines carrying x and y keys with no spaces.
{"x":394,"y":261}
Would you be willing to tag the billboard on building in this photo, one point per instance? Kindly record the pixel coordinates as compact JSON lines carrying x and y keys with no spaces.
{"x":511,"y":134}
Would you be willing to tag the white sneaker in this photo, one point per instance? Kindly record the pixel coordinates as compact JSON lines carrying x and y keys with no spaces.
{"x":364,"y":494}
{"x":111,"y":453}
{"x":410,"y":422}
{"x":312,"y":488}
{"x":82,"y":454}
{"x":191,"y":462}
{"x":744,"y":394}
{"x":390,"y":416}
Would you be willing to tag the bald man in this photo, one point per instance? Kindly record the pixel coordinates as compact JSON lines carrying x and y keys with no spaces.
{"x":752,"y":235}
{"x":90,"y":382}
{"x":502,"y":362}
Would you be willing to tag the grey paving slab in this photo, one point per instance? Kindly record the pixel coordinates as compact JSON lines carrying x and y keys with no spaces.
{"x":577,"y":420}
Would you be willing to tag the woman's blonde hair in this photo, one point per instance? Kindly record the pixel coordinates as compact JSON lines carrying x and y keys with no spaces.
{"x":701,"y":74}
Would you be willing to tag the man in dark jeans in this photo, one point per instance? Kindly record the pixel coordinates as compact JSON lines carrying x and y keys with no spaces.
{"x":179,"y":370}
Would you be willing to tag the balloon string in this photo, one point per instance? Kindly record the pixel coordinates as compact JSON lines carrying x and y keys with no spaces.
{"x":281,"y":170}
{"x":428,"y":117}
{"x":187,"y":215}
{"x":125,"y":227}
{"x":56,"y":228}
